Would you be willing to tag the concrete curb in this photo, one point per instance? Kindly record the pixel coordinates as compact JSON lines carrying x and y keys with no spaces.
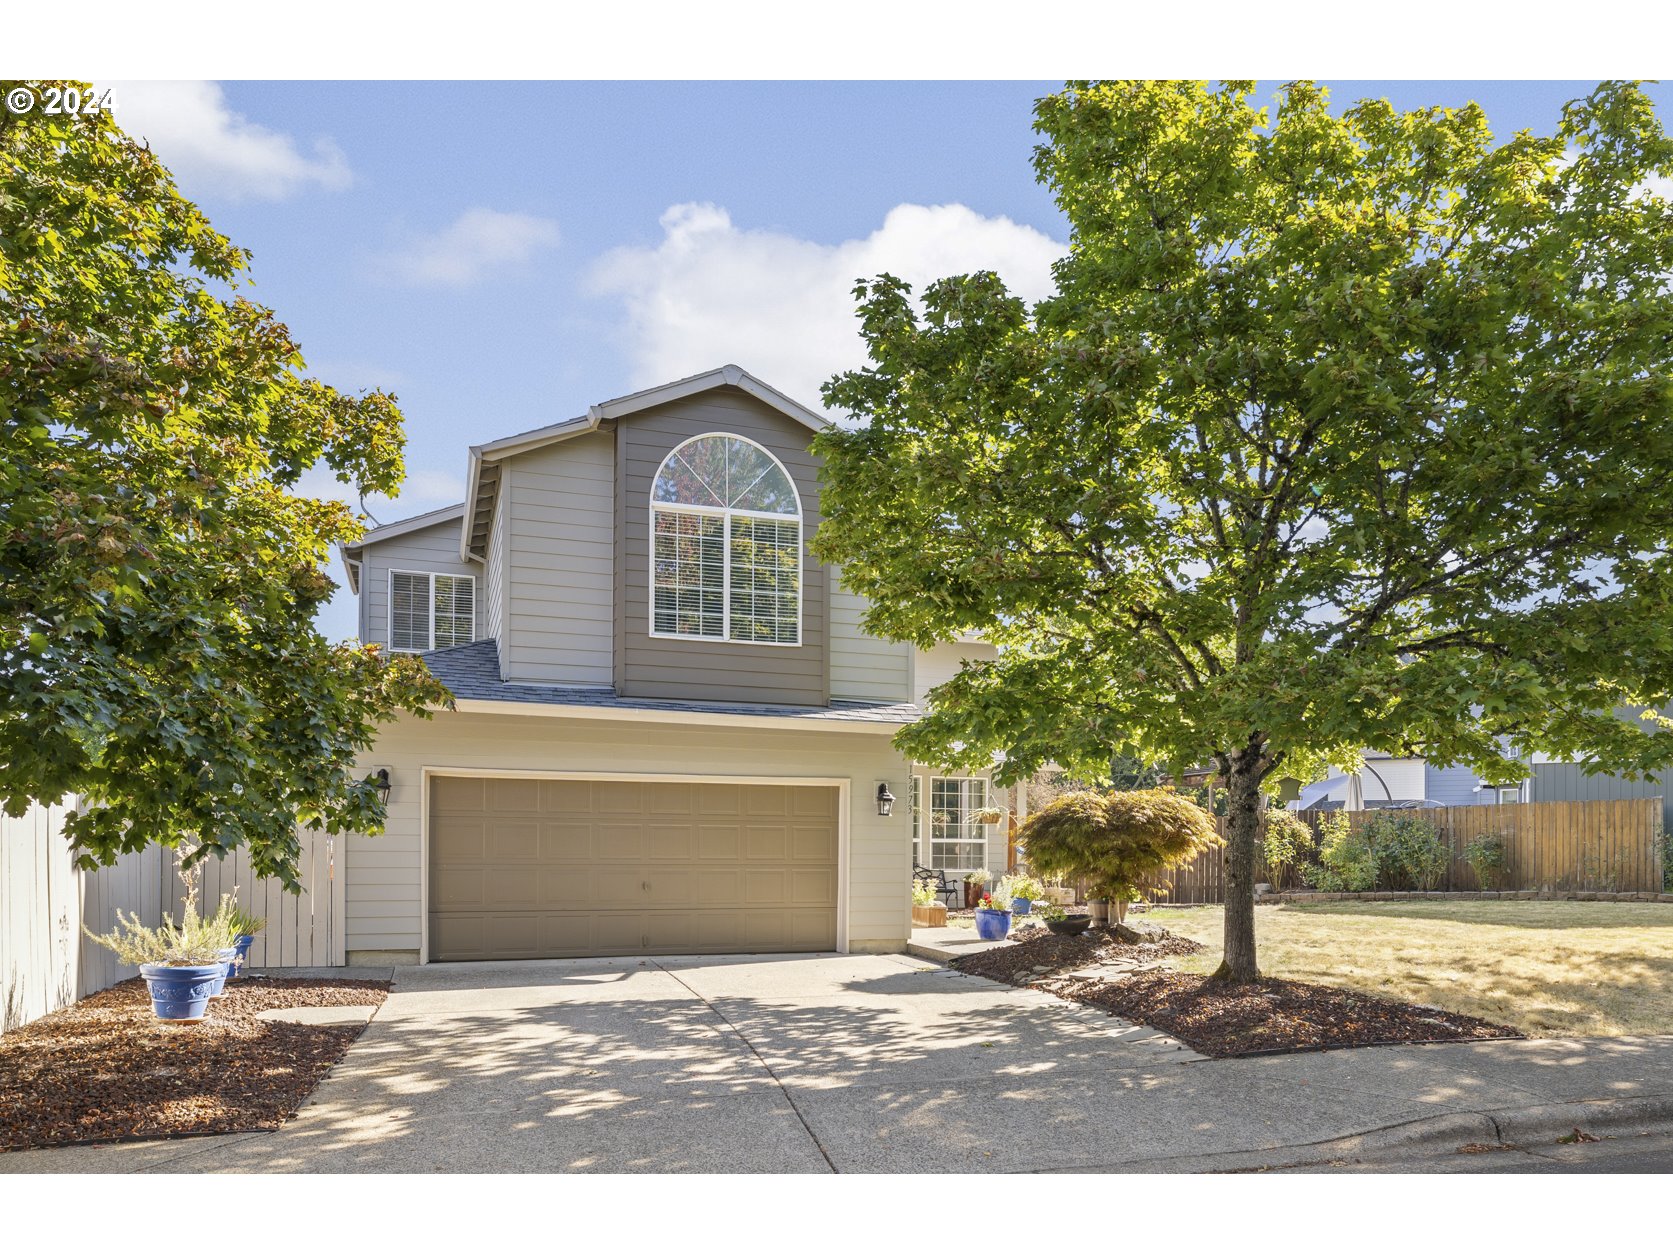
{"x":1524,"y":1127}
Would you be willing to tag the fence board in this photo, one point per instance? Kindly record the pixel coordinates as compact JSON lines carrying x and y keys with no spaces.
{"x":1589,"y":846}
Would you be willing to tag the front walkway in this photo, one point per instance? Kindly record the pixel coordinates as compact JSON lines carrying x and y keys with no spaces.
{"x":823,"y":1062}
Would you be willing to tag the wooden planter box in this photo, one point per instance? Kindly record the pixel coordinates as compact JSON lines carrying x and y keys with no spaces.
{"x":932,"y":915}
{"x":1060,"y":896}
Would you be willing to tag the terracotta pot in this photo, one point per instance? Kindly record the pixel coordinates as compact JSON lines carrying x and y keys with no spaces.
{"x":972,"y":893}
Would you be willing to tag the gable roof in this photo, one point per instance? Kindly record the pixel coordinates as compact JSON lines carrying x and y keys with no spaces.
{"x":482,"y":479}
{"x":388,"y":531}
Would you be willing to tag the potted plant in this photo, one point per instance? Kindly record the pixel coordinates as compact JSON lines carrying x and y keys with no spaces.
{"x":993,"y":918}
{"x":183,"y":967}
{"x":1024,"y":891}
{"x":927,"y":910}
{"x":974,"y":882}
{"x":1061,"y":923}
{"x":244,"y":927}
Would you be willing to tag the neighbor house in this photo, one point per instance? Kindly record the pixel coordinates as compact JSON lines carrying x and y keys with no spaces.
{"x":672,"y":734}
{"x":1388,"y":782}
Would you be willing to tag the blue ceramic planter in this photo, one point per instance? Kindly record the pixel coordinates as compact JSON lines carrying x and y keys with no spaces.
{"x":229,"y":964}
{"x":242,"y":949}
{"x":993,"y":924}
{"x":1021,"y":905}
{"x":182,"y":993}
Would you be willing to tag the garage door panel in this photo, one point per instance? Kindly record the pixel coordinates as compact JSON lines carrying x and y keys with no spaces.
{"x":715,"y":887}
{"x":566,"y":840}
{"x":452,"y":794}
{"x":812,"y":887}
{"x":566,"y":796}
{"x":615,"y":841}
{"x":671,"y":843}
{"x":509,"y":888}
{"x":559,"y":868}
{"x":717,"y":843}
{"x":766,"y":842}
{"x":766,"y":802}
{"x":716,"y":801}
{"x":513,"y":796}
{"x":613,"y":887}
{"x":453,"y":838}
{"x":513,"y":841}
{"x":810,"y":843}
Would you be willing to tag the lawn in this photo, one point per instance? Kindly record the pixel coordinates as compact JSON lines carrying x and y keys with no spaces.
{"x":1547,"y":968}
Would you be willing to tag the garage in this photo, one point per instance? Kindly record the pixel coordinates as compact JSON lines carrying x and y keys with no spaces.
{"x":563,"y":868}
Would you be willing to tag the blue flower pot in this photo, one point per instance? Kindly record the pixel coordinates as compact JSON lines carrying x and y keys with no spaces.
{"x":245,"y":940}
{"x":182,"y":993}
{"x":229,"y":964}
{"x":1021,"y":905}
{"x":993,"y":924}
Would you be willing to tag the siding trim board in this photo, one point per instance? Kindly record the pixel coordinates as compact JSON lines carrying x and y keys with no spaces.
{"x":429,"y":773}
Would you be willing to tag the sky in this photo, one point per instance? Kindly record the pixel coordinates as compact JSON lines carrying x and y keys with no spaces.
{"x":503,"y":255}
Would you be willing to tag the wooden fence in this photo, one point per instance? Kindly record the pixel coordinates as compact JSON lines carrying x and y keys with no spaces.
{"x":1589,"y":846}
{"x":46,"y":962}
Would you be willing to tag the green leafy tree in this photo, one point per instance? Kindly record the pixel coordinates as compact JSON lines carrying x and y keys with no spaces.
{"x":158,"y":574}
{"x":1116,"y":841}
{"x":1342,"y":431}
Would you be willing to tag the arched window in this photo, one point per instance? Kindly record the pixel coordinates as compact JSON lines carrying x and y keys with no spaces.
{"x":726,"y":551}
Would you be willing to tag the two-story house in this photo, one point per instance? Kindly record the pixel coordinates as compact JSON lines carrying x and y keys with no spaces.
{"x":671,"y":734}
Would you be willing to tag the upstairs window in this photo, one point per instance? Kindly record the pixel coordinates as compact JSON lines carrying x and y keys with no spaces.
{"x":429,"y":611}
{"x":726,"y":544}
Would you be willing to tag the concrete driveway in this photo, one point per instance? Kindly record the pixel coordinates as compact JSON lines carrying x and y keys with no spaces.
{"x":809,"y":1063}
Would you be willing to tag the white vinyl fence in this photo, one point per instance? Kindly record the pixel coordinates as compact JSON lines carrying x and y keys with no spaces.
{"x":46,"y":962}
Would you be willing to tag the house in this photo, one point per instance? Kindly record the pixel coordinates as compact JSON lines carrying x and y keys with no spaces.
{"x":672,"y":734}
{"x":1387,"y":782}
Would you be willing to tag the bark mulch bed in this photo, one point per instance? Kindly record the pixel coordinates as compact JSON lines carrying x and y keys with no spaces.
{"x":1038,"y":953}
{"x":105,"y":1069}
{"x":1271,"y":1017}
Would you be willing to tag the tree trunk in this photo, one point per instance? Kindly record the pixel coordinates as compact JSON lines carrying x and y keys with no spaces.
{"x":1243,"y":822}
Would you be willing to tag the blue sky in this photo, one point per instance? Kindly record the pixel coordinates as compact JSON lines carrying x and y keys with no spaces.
{"x":502,"y":255}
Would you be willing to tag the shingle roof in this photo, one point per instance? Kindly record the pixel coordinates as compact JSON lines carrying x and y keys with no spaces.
{"x":472,"y":673}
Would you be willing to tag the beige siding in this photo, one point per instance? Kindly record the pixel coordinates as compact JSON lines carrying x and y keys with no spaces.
{"x":863,"y":667}
{"x":385,"y":873}
{"x":494,"y":589}
{"x":559,"y":544}
{"x":935,"y":666}
{"x":649,"y":666}
{"x":430,"y":549}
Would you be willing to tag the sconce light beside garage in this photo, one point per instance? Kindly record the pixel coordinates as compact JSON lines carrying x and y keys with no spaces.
{"x":885,"y":800}
{"x":380,"y":778}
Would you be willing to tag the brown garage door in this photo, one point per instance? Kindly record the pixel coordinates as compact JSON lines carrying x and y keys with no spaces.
{"x":527,"y":868}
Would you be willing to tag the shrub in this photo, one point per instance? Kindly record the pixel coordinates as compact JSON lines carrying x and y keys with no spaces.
{"x":1116,"y":841}
{"x":196,"y":942}
{"x":1286,"y":845}
{"x":923,"y":893}
{"x":1347,"y":860}
{"x":1410,"y":853}
{"x":1024,"y":886}
{"x":1487,"y":856}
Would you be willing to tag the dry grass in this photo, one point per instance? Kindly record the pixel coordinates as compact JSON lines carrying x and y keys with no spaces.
{"x":1547,"y":968}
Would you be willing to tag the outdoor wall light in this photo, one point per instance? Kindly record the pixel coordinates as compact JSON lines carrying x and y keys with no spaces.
{"x":382,"y":776}
{"x":885,"y":800}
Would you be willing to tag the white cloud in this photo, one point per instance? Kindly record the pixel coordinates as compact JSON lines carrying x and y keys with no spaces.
{"x":475,"y":243}
{"x":212,"y":149}
{"x":782,"y":307}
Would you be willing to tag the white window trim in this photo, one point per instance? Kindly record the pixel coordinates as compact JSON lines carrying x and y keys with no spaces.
{"x":721,"y":511}
{"x":389,"y":608}
{"x":929,"y":829}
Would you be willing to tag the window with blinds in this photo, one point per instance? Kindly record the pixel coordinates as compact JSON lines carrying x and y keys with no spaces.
{"x":428,"y":611}
{"x":726,"y":553}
